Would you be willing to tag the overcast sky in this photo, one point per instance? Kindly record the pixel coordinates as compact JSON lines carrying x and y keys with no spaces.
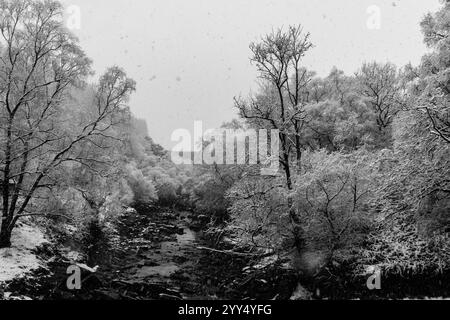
{"x":191,"y":57}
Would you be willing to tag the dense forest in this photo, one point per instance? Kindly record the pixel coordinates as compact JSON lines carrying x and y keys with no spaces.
{"x":363,"y":184}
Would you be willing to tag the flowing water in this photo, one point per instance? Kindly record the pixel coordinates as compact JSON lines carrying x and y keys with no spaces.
{"x":156,"y":256}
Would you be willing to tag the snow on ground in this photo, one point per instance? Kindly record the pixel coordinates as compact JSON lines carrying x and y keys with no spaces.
{"x":17,"y":261}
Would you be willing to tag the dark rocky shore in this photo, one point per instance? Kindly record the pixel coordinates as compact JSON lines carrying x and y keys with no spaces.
{"x":160,"y":254}
{"x":157,"y":256}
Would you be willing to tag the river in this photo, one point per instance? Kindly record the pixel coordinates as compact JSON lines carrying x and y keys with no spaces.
{"x":154,"y":255}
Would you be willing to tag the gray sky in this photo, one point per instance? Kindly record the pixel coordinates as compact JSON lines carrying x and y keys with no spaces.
{"x":190,"y":57}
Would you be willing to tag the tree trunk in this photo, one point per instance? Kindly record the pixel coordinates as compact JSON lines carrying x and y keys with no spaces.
{"x":299,"y":241}
{"x":5,"y":235}
{"x":298,"y":233}
{"x":298,"y":148}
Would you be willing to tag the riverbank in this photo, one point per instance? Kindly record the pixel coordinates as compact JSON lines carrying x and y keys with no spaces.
{"x":162,"y":254}
{"x":157,"y":255}
{"x":17,"y":261}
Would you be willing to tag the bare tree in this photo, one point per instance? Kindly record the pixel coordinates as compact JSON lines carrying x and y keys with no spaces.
{"x":434,"y":72}
{"x":298,"y":83}
{"x":379,"y":85}
{"x":40,"y":63}
{"x":277,"y":57}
